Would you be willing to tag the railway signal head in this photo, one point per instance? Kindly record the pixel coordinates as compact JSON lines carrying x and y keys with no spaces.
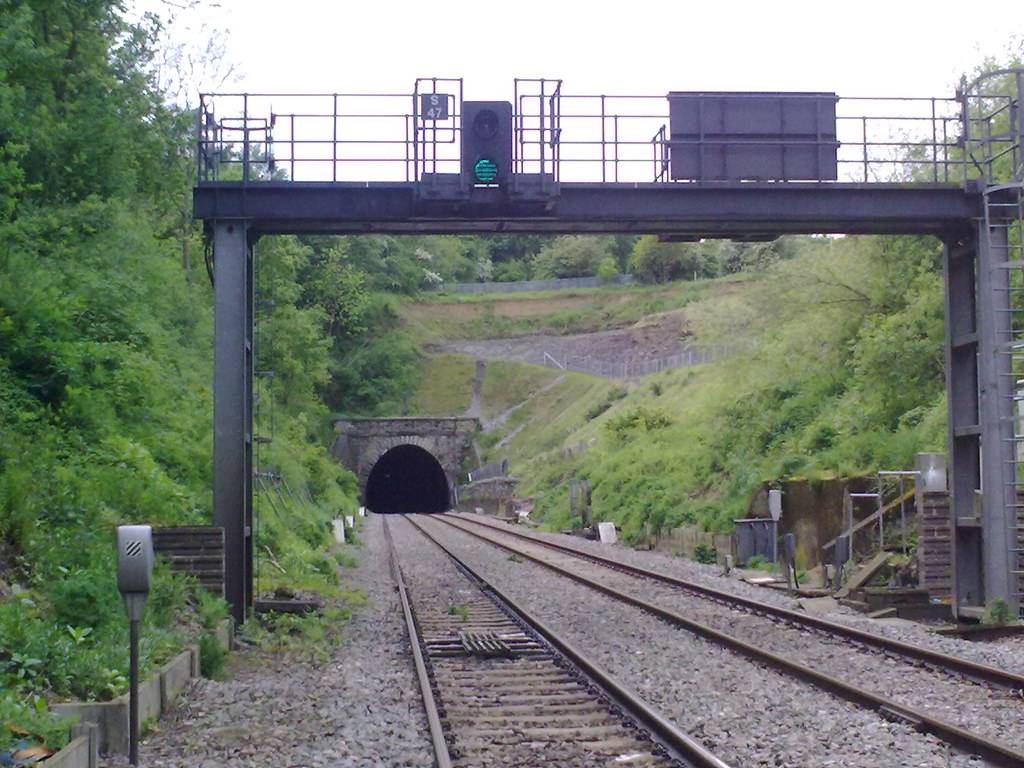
{"x":487,"y":142}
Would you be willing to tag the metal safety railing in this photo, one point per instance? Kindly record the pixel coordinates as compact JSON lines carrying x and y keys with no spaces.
{"x":388,"y":137}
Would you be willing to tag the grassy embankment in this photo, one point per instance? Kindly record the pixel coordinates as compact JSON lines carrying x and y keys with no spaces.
{"x":437,"y":318}
{"x":106,"y":368}
{"x":840,"y":374}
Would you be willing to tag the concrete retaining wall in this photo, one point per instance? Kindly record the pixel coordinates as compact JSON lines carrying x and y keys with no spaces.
{"x":685,"y":540}
{"x":77,"y":754}
{"x":109,"y":719}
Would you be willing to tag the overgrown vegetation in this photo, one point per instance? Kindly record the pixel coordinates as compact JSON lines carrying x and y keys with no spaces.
{"x":106,"y":359}
{"x":837,"y":369}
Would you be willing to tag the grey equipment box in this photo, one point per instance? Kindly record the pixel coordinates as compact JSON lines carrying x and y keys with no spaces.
{"x":718,"y":136}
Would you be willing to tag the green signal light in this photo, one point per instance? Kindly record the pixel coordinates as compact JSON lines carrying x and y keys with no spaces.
{"x":485,"y":170}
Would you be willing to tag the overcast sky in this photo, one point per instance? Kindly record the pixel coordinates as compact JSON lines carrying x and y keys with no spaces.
{"x":867,"y":47}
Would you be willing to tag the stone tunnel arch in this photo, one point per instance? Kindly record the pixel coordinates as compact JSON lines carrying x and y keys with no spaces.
{"x":407,"y":478}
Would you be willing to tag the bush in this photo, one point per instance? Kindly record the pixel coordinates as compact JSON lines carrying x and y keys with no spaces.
{"x":617,"y":393}
{"x":570,"y":256}
{"x":607,"y":269}
{"x":211,"y":657}
{"x":654,"y":261}
{"x":84,"y":598}
{"x":637,"y":419}
{"x":998,"y":612}
{"x":757,"y":562}
{"x":211,"y":608}
{"x":35,"y":724}
{"x":705,"y":553}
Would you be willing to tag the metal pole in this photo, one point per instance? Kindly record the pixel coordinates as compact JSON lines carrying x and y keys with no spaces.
{"x":849,"y":529}
{"x":903,"y":519}
{"x":232,"y":425}
{"x":881,"y":522}
{"x":775,"y":542}
{"x":133,"y":693}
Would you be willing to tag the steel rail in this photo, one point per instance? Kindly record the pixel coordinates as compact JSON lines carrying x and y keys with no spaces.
{"x":684,"y":746}
{"x":441,"y":757}
{"x":994,"y":751}
{"x":972,"y":669}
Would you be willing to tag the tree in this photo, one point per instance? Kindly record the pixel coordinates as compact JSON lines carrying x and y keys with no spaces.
{"x":570,"y":256}
{"x":655,"y":261}
{"x":607,"y":269}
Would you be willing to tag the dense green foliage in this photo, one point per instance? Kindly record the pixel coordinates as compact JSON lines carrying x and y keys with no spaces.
{"x":837,"y":369}
{"x":106,"y":359}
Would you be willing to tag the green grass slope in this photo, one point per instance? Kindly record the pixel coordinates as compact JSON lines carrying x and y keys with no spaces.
{"x":837,"y":370}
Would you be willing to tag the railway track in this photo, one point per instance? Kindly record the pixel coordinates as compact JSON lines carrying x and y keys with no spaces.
{"x":976,"y":710}
{"x":501,"y":688}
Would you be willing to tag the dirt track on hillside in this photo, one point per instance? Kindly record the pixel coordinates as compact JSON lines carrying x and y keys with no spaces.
{"x":653,"y":337}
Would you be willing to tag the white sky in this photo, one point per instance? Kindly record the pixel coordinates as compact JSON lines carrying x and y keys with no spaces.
{"x":863,"y":47}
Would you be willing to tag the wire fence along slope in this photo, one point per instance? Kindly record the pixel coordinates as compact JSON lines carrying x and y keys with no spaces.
{"x":630,"y":369}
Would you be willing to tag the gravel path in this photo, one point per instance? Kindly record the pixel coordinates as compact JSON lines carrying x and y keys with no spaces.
{"x":976,"y":707}
{"x":360,"y":709}
{"x":749,"y":715}
{"x":1002,"y":655}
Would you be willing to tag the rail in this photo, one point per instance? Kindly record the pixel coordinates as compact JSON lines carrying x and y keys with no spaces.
{"x":442,"y":759}
{"x":679,"y":744}
{"x":997,"y":752}
{"x":1000,"y":677}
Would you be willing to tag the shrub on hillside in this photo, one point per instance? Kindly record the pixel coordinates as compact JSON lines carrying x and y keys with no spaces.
{"x":569,"y":256}
{"x":654,"y":261}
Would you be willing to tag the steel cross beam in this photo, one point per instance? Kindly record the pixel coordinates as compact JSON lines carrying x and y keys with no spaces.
{"x":238,"y":212}
{"x":697,"y":210}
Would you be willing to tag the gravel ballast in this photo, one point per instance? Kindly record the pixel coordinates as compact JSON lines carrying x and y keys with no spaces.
{"x":359,"y":709}
{"x":748,"y":714}
{"x":977,"y":707}
{"x":1002,"y":655}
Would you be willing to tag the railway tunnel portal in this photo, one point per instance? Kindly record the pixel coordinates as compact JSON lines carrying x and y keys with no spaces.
{"x":405,"y":464}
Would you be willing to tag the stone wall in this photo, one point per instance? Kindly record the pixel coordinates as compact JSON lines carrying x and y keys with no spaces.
{"x":493,"y":495}
{"x":361,"y":442}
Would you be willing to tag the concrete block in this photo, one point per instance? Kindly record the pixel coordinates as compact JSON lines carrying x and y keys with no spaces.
{"x":150,"y":699}
{"x":362,"y":511}
{"x":173,"y":678}
{"x":350,"y":521}
{"x":91,"y":732}
{"x":225,"y":634}
{"x":607,"y":533}
{"x":75,"y":755}
{"x":339,"y":531}
{"x":109,"y":717}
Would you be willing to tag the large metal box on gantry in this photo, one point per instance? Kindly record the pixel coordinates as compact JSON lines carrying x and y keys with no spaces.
{"x":717,"y":136}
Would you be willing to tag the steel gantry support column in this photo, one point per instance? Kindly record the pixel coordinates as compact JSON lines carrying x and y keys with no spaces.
{"x":232,"y":407}
{"x":998,"y":448}
{"x":964,"y":414}
{"x":979,"y":392}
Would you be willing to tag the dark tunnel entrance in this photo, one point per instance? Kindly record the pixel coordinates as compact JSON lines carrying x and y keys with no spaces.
{"x":407,"y":479}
